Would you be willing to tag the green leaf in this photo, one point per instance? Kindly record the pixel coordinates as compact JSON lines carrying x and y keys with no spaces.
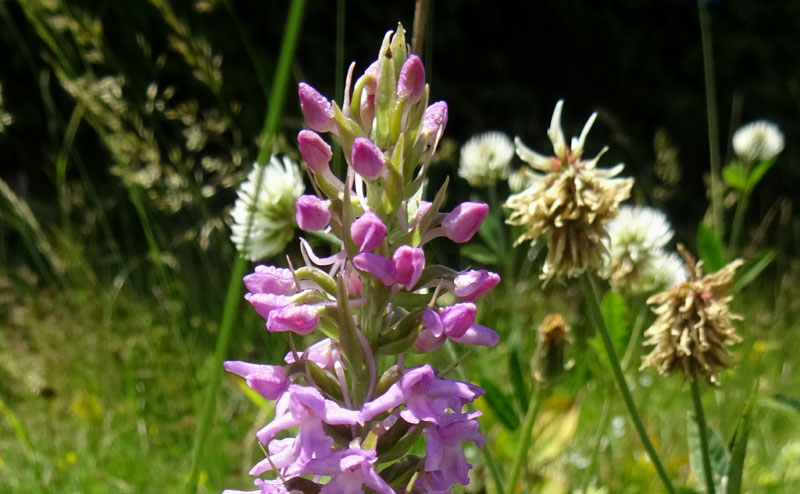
{"x":500,"y":405}
{"x":709,"y":248}
{"x":493,"y":233}
{"x":738,"y":445}
{"x":751,"y":269}
{"x":615,"y":314}
{"x":517,"y":379}
{"x":735,"y":175}
{"x":758,"y":173}
{"x":788,"y":402}
{"x":480,"y":253}
{"x":717,"y":452}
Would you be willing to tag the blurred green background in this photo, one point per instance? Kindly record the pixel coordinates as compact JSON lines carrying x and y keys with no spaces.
{"x":127,"y":126}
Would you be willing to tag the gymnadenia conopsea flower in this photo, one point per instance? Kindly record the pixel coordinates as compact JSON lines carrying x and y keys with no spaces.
{"x":351,"y":405}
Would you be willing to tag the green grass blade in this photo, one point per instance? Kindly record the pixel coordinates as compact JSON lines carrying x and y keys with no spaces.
{"x":275,"y":104}
{"x":738,"y":446}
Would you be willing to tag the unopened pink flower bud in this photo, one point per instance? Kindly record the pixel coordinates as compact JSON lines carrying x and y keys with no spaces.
{"x":315,"y":152}
{"x":268,"y":380}
{"x":368,"y":231}
{"x":408,"y":265}
{"x":469,"y":285}
{"x":316,"y":108}
{"x":377,"y":266}
{"x":463,"y":222}
{"x":478,"y":335}
{"x":412,"y":80}
{"x":312,"y":213}
{"x":271,"y":279}
{"x":367,"y":158}
{"x":434,"y":120}
{"x":300,"y":319}
{"x":354,"y":285}
{"x":457,"y":318}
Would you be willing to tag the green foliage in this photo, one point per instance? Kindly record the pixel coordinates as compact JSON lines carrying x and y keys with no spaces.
{"x":720,"y":458}
{"x":710,"y":249}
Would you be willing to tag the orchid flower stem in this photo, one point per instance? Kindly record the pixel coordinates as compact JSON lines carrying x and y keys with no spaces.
{"x":538,"y":396}
{"x":233,"y":296}
{"x":702,"y":429}
{"x":491,"y":462}
{"x":589,"y":285}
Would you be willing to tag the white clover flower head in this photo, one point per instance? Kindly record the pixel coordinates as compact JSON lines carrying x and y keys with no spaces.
{"x":485,"y":158}
{"x":268,"y":209}
{"x":758,"y":141}
{"x":636,"y":260}
{"x":638,"y":231}
{"x":520,"y":179}
{"x":665,"y":269}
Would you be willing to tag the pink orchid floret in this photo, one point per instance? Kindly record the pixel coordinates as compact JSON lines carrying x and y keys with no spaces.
{"x":408,"y":263}
{"x":350,"y":470}
{"x":271,"y":279}
{"x":312,"y":213}
{"x":426,"y":397}
{"x":268,"y":380}
{"x":300,"y":319}
{"x":368,"y":231}
{"x":305,"y":408}
{"x":315,"y":151}
{"x":323,"y":353}
{"x":316,"y":108}
{"x":463,"y":222}
{"x":443,"y":450}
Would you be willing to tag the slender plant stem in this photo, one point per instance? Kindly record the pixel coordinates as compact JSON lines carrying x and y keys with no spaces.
{"x":711,"y":112}
{"x":420,"y":21}
{"x":275,"y":104}
{"x":595,"y":312}
{"x":738,"y":223}
{"x":491,"y":462}
{"x":537,"y":398}
{"x":702,"y":429}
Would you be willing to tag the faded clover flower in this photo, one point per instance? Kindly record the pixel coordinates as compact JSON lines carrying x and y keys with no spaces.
{"x":570,"y":201}
{"x":268,"y":210}
{"x":758,"y":141}
{"x":485,"y":158}
{"x":693,"y":325}
{"x":636,"y":258}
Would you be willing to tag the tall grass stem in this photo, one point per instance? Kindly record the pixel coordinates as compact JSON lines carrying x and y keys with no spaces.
{"x":713,"y":123}
{"x":592,"y":295}
{"x":537,"y":398}
{"x":275,"y":104}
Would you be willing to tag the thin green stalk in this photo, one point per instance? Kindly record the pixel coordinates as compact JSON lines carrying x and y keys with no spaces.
{"x":275,"y":104}
{"x":738,"y":223}
{"x":595,"y":312}
{"x":711,"y":112}
{"x":702,"y":428}
{"x":491,"y":462}
{"x":336,"y":165}
{"x":535,"y":404}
